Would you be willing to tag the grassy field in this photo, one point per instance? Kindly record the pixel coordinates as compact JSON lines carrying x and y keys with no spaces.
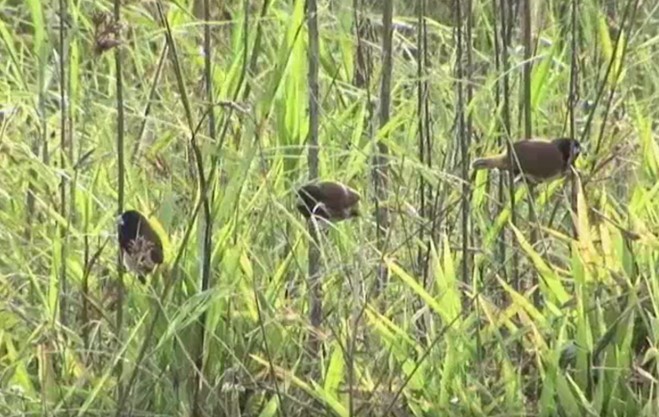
{"x":449,"y":296}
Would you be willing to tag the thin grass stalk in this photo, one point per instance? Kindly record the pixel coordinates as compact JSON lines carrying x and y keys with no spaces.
{"x":466,"y":140}
{"x":121,"y":173}
{"x":434,"y":197}
{"x":628,"y":17}
{"x":573,"y":94}
{"x":206,"y":223}
{"x":363,"y":64}
{"x":423,"y":121}
{"x":268,"y":351}
{"x":603,"y":81}
{"x":467,"y":186}
{"x":506,"y":33}
{"x":506,"y":29}
{"x":41,"y":141}
{"x":527,"y":67}
{"x":207,"y":241}
{"x":361,"y":80}
{"x":169,"y":285}
{"x":258,"y":38}
{"x":315,"y":289}
{"x":460,"y":133}
{"x":441,"y":333}
{"x":201,"y":184}
{"x":84,"y":290}
{"x":147,"y":108}
{"x":598,"y":97}
{"x":424,"y":137}
{"x":528,"y":133}
{"x":381,"y":157}
{"x":501,"y":186}
{"x":246,"y":68}
{"x":421,"y":86}
{"x":64,"y":150}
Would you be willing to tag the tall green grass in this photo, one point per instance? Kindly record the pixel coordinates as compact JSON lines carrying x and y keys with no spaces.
{"x":229,"y":339}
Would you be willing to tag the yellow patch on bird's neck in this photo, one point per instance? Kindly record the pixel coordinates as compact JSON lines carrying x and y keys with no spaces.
{"x":160,"y":231}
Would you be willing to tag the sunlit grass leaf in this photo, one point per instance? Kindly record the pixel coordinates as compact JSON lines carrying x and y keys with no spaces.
{"x":334,"y":375}
{"x":502,"y":219}
{"x":39,"y":27}
{"x":523,"y":302}
{"x":416,"y":287}
{"x":449,"y":371}
{"x":445,"y":280}
{"x":103,"y":382}
{"x":511,"y":380}
{"x":270,"y":409}
{"x":566,"y":398}
{"x":549,"y":280}
{"x":586,"y":246}
{"x":17,"y":374}
{"x":312,"y":389}
{"x":607,"y":44}
{"x":583,"y":401}
{"x":398,"y":341}
{"x":540,"y":86}
{"x":649,"y":148}
{"x":47,"y":377}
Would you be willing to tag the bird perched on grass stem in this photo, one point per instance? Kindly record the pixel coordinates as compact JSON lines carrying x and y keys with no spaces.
{"x":537,"y":160}
{"x":141,"y":248}
{"x":328,"y":200}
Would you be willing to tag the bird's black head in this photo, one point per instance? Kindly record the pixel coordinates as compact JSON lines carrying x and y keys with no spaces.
{"x":570,"y":149}
{"x":131,"y":224}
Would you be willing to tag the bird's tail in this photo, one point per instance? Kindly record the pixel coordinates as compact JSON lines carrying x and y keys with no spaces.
{"x":488,"y":163}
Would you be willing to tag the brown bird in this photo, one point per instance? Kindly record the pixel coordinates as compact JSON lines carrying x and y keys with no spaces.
{"x":539,"y":160}
{"x":141,"y":248}
{"x":329,"y":200}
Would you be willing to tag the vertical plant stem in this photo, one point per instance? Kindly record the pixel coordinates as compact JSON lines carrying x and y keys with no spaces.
{"x":461,"y":134}
{"x":381,"y":158}
{"x":466,"y":140}
{"x":506,"y":31}
{"x":528,"y":127}
{"x":499,"y":88}
{"x":572,"y":97}
{"x":361,"y":80}
{"x":64,"y":144}
{"x":315,"y":284}
{"x":120,"y":195}
{"x":425,"y":150}
{"x":147,"y":108}
{"x":527,"y":67}
{"x":421,"y":86}
{"x":202,"y":184}
{"x":424,"y":142}
{"x":207,"y":239}
{"x":526,"y":105}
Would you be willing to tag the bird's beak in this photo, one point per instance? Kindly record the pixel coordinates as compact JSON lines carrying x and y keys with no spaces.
{"x":119,"y":220}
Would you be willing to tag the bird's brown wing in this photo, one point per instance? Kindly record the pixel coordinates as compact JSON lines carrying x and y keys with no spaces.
{"x":539,"y":159}
{"x":156,"y":252}
{"x":340,"y":197}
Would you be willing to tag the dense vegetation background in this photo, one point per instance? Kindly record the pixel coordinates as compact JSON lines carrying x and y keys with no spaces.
{"x":451,"y":295}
